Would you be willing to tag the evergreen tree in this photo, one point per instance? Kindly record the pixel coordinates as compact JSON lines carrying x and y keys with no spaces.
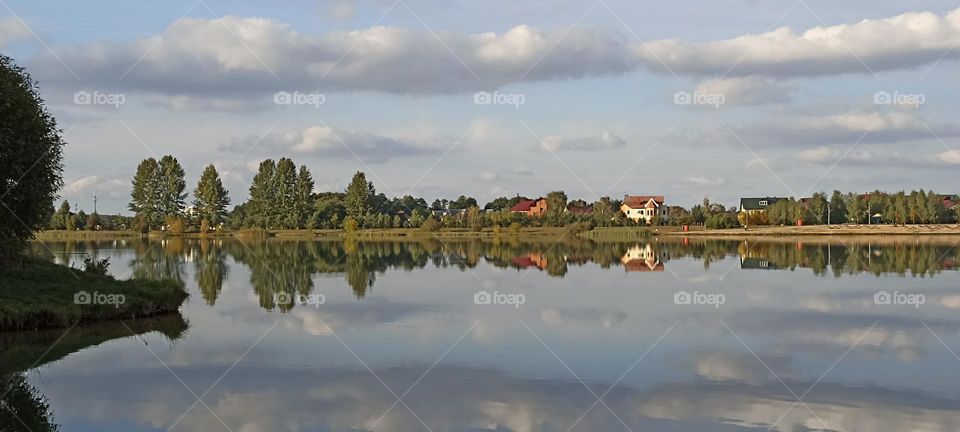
{"x":145,"y":193}
{"x":210,"y":198}
{"x":357,"y":200}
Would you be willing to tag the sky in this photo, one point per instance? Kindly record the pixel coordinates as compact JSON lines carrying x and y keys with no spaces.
{"x":685,"y":99}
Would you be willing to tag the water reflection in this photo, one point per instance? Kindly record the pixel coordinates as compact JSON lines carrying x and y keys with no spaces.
{"x":22,"y":406}
{"x":806,"y":326}
{"x":281,"y":268}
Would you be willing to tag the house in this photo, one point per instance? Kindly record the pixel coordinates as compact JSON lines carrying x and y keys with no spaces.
{"x":643,"y":207}
{"x":757,"y":205}
{"x":641,"y":259}
{"x":535,"y":207}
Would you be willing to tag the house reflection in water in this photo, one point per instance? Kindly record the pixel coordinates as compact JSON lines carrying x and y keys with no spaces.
{"x":530,"y":260}
{"x":641,"y":258}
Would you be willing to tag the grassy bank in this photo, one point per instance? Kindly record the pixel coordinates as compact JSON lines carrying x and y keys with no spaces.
{"x":822,"y":230}
{"x":40,"y":294}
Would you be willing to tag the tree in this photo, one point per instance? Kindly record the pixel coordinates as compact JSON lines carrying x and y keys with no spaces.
{"x":171,"y":186}
{"x":210,"y":198}
{"x":80,"y":220}
{"x":262,"y":194}
{"x":93,"y":222}
{"x":818,"y":207}
{"x":303,"y":192}
{"x":31,"y":164}
{"x":145,"y":191}
{"x":357,"y":199}
{"x":838,"y":208}
{"x":59,"y":220}
{"x":556,"y":206}
{"x":854,"y":208}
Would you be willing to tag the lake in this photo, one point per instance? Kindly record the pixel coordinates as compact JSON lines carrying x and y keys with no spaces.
{"x":662,"y":335}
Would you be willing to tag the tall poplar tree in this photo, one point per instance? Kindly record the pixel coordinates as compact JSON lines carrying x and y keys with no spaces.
{"x":172,"y":186}
{"x":145,"y":194}
{"x":210,"y":198}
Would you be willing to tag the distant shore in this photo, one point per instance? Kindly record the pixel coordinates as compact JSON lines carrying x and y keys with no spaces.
{"x":825,"y":230}
{"x":538,"y":233}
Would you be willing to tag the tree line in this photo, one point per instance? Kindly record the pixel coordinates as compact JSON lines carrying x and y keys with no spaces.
{"x":281,"y":196}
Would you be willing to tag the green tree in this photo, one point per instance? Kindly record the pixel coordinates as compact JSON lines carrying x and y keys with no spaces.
{"x":303,"y":197}
{"x":854,"y":208}
{"x":93,"y":221}
{"x":171,"y":187}
{"x":259,"y":207}
{"x":30,"y":160}
{"x":145,"y":192}
{"x":210,"y":198}
{"x":59,"y":220}
{"x":556,"y":206}
{"x":357,"y":199}
{"x":818,"y":207}
{"x":838,"y":208}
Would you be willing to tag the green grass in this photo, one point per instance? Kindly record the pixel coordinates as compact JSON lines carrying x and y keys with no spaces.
{"x":39,"y":294}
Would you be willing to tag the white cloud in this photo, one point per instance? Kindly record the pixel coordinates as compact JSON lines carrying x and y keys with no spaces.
{"x":951,"y":157}
{"x":706,"y":181}
{"x":239,"y":57}
{"x":606,"y":141}
{"x":901,"y":42}
{"x":75,"y":187}
{"x":327,"y":141}
{"x":747,"y":90}
{"x":818,"y":154}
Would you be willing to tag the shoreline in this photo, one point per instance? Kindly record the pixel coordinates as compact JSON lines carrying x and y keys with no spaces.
{"x":41,"y":295}
{"x":532,"y":233}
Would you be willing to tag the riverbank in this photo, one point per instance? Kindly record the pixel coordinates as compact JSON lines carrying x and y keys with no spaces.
{"x":40,"y":294}
{"x":825,"y":230}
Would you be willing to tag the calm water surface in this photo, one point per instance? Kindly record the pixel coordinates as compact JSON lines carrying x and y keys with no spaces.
{"x":479,"y":336}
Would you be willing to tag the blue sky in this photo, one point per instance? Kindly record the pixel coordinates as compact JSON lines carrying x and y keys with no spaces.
{"x":786,"y":97}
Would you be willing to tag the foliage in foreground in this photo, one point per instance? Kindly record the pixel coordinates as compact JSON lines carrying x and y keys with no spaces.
{"x":30,"y":160}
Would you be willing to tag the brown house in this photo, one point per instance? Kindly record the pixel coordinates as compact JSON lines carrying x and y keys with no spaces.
{"x":535,"y":207}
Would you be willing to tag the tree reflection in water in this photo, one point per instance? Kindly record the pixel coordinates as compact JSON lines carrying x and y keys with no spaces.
{"x":283,"y":268}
